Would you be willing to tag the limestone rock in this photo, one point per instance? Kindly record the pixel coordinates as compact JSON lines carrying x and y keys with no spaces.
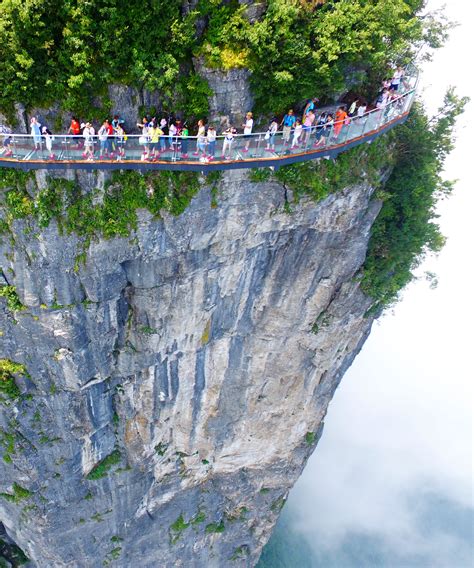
{"x":177,"y":390}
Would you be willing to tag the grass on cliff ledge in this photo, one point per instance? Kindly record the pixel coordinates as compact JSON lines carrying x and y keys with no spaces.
{"x":318,"y":179}
{"x":8,"y":388}
{"x":93,"y":214}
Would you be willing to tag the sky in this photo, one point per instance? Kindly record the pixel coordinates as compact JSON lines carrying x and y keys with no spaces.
{"x":393,"y":470}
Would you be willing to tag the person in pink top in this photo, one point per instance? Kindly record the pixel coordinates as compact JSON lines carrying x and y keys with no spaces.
{"x":307,"y":126}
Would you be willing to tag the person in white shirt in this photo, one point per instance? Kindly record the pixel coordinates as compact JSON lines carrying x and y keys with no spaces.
{"x":228,"y":139}
{"x":270,"y":135}
{"x":211,"y":142}
{"x":48,"y":140}
{"x":88,"y":133}
{"x":248,"y":126}
{"x":397,"y":78}
{"x":297,"y":133}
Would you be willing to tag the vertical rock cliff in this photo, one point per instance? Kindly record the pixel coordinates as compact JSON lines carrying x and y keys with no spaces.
{"x":174,"y":386}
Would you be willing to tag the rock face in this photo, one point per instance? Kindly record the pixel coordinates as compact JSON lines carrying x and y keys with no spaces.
{"x":198,"y":357}
{"x":231,"y":96}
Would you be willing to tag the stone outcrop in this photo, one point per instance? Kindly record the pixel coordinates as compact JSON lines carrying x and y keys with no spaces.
{"x":178,"y":381}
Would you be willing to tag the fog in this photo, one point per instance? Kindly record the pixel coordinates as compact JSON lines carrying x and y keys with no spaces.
{"x":390,"y":483}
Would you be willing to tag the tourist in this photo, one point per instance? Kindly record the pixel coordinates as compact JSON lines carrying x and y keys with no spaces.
{"x":75,"y":130}
{"x":7,"y":145}
{"x":144,"y":139}
{"x":184,"y":142}
{"x":201,"y":139}
{"x":48,"y":140}
{"x":172,"y":133}
{"x":270,"y":135}
{"x":321,"y":126}
{"x":248,"y":126}
{"x":74,"y":127}
{"x":211,"y":142}
{"x":325,"y":132}
{"x":88,"y":134}
{"x":361,"y":110}
{"x":352,"y":109}
{"x":288,"y":122}
{"x":229,"y":136}
{"x":36,"y":132}
{"x":382,"y":98}
{"x":103,"y":134}
{"x":339,"y":120}
{"x":296,"y":134}
{"x":110,"y":134}
{"x":120,"y":138}
{"x":116,"y":121}
{"x":397,"y":78}
{"x":310,"y":106}
{"x":165,"y":130}
{"x":154,"y":132}
{"x":307,"y":126}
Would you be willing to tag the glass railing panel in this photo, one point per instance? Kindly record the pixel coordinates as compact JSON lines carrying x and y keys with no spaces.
{"x":135,"y":148}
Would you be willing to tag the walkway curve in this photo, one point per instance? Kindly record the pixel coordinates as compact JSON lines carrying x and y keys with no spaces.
{"x":67,"y":150}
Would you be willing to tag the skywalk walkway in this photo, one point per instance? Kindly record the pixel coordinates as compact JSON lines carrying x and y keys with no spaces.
{"x":67,"y":152}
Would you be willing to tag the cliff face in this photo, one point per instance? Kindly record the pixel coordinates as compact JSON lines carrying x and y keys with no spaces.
{"x":187,"y":356}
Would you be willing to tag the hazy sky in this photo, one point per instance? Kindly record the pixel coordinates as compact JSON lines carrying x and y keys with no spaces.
{"x":400,"y":425}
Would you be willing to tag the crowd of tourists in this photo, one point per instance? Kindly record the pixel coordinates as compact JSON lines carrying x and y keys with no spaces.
{"x":156,"y":136}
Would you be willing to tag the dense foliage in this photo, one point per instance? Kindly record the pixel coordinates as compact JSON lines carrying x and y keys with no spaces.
{"x":69,"y":51}
{"x":317,"y":179}
{"x":405,"y":229}
{"x":113,"y":214}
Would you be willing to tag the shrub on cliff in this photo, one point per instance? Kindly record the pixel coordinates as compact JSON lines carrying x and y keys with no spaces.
{"x":405,"y":230}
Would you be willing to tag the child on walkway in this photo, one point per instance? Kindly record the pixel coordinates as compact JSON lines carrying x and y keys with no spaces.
{"x":296,"y":134}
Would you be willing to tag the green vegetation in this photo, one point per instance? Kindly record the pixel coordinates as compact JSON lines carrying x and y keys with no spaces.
{"x":215,"y":527}
{"x":321,"y":321}
{"x":278,"y":504}
{"x":59,"y":50}
{"x":198,"y":518}
{"x":13,"y":301}
{"x":310,"y":438}
{"x":103,"y":467}
{"x":305,"y":47}
{"x":177,"y":528}
{"x":147,"y":330}
{"x":115,"y":216}
{"x":405,"y":231}
{"x":161,"y":448}
{"x":318,"y":179}
{"x":68,"y":52}
{"x":11,"y":555}
{"x":206,"y":333}
{"x":8,"y":387}
{"x":7,"y":442}
{"x":239,"y":552}
{"x":18,"y":494}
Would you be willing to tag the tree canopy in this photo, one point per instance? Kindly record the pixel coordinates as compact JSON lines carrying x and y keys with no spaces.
{"x":68,"y":51}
